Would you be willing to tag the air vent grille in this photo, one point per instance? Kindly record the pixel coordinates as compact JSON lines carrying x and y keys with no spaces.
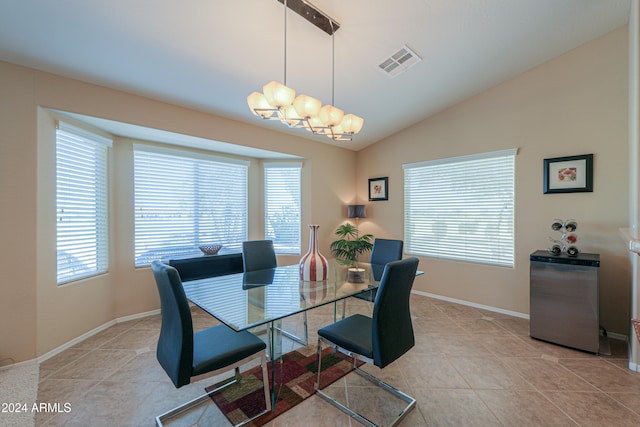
{"x":399,"y":62}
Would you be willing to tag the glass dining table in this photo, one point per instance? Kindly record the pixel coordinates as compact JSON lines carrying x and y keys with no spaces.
{"x":265,"y":297}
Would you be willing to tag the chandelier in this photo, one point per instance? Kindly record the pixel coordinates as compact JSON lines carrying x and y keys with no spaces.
{"x":279,"y":102}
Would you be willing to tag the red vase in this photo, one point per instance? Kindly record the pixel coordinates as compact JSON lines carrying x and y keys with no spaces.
{"x":313,"y":265}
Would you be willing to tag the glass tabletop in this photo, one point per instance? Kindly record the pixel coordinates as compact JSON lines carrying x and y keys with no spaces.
{"x":246,"y":300}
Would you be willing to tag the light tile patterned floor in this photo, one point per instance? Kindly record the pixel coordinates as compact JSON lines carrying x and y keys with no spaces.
{"x":469,"y":368}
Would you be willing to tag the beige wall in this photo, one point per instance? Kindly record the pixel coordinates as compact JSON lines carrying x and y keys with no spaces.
{"x":39,"y":316}
{"x":18,"y":216}
{"x":574,"y":104}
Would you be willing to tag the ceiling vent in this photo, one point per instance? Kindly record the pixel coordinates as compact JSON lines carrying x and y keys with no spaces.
{"x":399,"y":62}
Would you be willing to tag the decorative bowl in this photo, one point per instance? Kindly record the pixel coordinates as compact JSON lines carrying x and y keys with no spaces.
{"x":210,"y":249}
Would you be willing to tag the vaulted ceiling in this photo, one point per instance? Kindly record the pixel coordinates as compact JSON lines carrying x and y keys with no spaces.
{"x":210,"y":54}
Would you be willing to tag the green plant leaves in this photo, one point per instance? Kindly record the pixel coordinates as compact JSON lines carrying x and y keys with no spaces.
{"x":351,"y":244}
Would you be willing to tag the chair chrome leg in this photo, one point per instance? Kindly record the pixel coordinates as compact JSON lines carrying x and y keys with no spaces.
{"x":316,"y":385}
{"x":356,"y":416}
{"x":160,"y":419}
{"x":333,"y":401}
{"x":190,"y":404}
{"x":411,"y":402}
{"x":265,"y":378}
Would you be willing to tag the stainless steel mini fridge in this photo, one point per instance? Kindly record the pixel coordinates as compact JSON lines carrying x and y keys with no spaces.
{"x":564,"y":299}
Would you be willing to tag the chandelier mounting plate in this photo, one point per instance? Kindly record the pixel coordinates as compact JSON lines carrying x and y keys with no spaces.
{"x":314,"y":15}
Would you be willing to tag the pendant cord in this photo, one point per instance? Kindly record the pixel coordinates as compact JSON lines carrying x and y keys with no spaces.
{"x":333,"y":65}
{"x":285,"y":42}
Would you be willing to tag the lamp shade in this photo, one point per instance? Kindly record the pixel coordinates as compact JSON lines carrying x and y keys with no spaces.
{"x":259,"y":106}
{"x":337,"y":130}
{"x":278,"y":94}
{"x":307,"y":106}
{"x":314,"y":124}
{"x":330,"y":115}
{"x":289,"y":116}
{"x":357,"y":211}
{"x":352,"y":123}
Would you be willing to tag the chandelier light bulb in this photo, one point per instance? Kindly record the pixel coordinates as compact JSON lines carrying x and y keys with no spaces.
{"x":278,"y":94}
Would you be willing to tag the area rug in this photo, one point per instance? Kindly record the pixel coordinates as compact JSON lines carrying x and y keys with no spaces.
{"x":295,"y":375}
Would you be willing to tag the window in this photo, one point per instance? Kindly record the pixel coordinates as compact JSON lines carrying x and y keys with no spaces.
{"x":184,"y":200}
{"x":282,"y":206}
{"x":81,"y":203}
{"x":462,"y":208}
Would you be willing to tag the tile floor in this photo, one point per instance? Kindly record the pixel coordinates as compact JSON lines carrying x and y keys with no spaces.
{"x":469,"y":368}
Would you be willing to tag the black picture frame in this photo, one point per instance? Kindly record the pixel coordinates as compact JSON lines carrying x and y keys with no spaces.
{"x":378,"y":189}
{"x":570,"y":174}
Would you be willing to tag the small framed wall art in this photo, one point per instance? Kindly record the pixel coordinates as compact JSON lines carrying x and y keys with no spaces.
{"x":378,"y":189}
{"x":570,"y":174}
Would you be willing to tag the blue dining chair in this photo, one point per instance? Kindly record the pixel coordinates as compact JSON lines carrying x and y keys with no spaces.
{"x":258,"y":255}
{"x":261,"y":255}
{"x":383,"y":252}
{"x":187,"y":356}
{"x":380,"y":339}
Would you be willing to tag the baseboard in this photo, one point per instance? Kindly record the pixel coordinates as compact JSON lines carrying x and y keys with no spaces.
{"x":611,"y":335}
{"x":137,"y":316}
{"x":92,"y":332}
{"x":473,"y":304}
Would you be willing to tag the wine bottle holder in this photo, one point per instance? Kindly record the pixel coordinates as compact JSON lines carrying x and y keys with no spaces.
{"x":566,"y":243}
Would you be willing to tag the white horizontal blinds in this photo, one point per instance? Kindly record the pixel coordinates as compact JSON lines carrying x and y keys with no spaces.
{"x":81,"y":203}
{"x":184,"y":200}
{"x":462,"y":208}
{"x":282,"y":206}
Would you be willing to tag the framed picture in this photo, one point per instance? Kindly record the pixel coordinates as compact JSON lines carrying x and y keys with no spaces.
{"x":378,"y":188}
{"x":568,"y":174}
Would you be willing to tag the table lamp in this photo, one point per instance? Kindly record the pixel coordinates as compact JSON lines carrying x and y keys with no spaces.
{"x":357,"y":212}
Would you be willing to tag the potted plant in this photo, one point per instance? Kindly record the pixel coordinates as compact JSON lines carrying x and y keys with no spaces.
{"x":347,"y":248}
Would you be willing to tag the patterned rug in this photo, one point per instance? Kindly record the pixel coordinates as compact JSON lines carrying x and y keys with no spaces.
{"x":295,"y":376}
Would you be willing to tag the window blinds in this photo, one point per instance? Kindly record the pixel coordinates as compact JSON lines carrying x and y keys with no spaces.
{"x":81,"y":203}
{"x":282,"y":206}
{"x":462,"y":208}
{"x":184,"y":200}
